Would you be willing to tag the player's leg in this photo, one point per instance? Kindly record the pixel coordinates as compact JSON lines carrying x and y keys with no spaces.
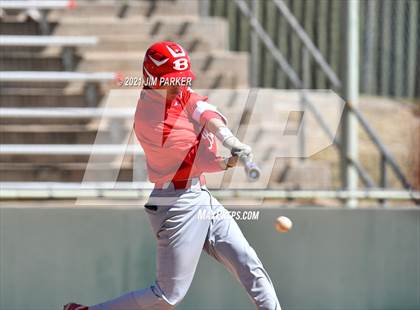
{"x":227,"y":244}
{"x":180,"y":239}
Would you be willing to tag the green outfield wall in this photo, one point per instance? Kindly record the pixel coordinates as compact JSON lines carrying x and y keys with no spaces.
{"x":332,"y":259}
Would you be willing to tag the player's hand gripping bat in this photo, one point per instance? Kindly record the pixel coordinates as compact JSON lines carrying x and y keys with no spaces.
{"x":236,"y":147}
{"x":251,"y":169}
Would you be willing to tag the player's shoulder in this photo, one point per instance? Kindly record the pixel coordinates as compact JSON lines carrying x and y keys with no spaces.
{"x":188,"y":95}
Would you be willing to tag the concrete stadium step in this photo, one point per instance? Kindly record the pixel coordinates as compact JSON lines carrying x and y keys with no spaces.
{"x":70,"y":172}
{"x":202,"y":64}
{"x":174,"y":28}
{"x":41,"y":97}
{"x":19,"y":28}
{"x":31,"y":62}
{"x":44,"y":121}
{"x":209,"y":27}
{"x":92,"y":61}
{"x":72,"y":95}
{"x":124,"y":9}
{"x":56,"y":88}
{"x":50,"y":134}
{"x":136,"y":43}
{"x":46,"y":159}
{"x":200,"y":61}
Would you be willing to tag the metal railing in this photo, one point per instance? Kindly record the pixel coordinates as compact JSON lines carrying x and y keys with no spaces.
{"x":40,"y":7}
{"x":68,"y":45}
{"x":63,"y":113}
{"x":311,"y":49}
{"x":70,"y":149}
{"x":141,"y":190}
{"x":389,"y":41}
{"x":56,"y":76}
{"x":17,"y":190}
{"x":23,"y":40}
{"x":36,"y":4}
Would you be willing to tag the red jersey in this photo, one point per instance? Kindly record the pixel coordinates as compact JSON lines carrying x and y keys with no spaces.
{"x":172,"y":133}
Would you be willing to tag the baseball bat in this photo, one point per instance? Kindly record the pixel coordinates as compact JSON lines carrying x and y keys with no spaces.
{"x":251,"y":169}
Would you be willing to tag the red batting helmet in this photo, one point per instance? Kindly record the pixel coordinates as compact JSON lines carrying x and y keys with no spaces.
{"x":166,"y":59}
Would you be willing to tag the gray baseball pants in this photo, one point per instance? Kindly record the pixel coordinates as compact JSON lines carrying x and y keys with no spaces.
{"x":182,"y":232}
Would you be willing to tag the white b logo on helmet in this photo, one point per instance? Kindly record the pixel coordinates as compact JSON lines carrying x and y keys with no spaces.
{"x":175,"y":50}
{"x":181,"y":64}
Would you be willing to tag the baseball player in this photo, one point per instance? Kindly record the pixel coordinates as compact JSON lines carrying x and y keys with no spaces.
{"x":177,"y":128}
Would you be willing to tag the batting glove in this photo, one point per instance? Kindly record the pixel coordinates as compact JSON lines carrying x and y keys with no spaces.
{"x":238,"y":148}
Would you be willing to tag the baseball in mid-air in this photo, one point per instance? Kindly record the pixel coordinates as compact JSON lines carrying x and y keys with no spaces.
{"x":283,"y":224}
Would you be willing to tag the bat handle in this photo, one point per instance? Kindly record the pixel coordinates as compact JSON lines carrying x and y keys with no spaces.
{"x":251,"y":169}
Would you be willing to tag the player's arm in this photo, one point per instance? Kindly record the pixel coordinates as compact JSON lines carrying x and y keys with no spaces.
{"x":208,"y":116}
{"x":238,"y":149}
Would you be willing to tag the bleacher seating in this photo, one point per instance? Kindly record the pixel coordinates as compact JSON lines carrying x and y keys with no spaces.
{"x":110,"y":36}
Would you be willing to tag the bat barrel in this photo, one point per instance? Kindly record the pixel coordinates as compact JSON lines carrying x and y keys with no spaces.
{"x":251,"y":169}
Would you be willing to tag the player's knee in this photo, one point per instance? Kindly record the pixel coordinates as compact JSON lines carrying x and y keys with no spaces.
{"x":167,"y":304}
{"x":164,"y":305}
{"x":174,"y":299}
{"x":170,"y":298}
{"x":272,"y":305}
{"x":268,"y":300}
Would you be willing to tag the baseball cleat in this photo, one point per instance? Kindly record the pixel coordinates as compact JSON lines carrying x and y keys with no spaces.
{"x":73,"y":306}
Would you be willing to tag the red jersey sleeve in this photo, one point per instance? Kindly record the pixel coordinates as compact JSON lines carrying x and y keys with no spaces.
{"x":199,"y":109}
{"x":208,"y":115}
